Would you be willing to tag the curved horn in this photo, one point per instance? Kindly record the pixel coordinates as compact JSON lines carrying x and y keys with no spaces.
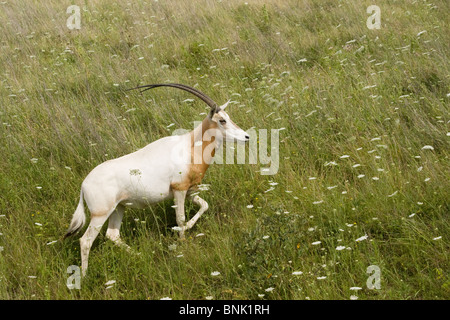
{"x":210,"y":102}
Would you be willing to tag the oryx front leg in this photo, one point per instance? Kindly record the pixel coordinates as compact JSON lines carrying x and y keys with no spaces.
{"x":203,"y":207}
{"x":179,"y":197}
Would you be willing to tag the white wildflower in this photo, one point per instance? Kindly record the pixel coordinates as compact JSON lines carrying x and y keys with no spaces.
{"x":355,"y":288}
{"x":203,"y":187}
{"x":362,"y":238}
{"x":110,"y":282}
{"x":421,"y":33}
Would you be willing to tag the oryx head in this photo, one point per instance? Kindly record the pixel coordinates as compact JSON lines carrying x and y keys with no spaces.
{"x":228,"y":129}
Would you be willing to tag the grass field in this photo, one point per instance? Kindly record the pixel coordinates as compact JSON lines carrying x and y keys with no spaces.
{"x":364,"y":153}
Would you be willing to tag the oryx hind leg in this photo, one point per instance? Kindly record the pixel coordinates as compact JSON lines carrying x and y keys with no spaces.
{"x":113,"y":231}
{"x":98,"y":218}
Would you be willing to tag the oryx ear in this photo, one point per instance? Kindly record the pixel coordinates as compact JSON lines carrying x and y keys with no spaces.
{"x":222,"y":107}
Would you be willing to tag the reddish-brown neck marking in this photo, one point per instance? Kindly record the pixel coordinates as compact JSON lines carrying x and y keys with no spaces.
{"x":201,"y":139}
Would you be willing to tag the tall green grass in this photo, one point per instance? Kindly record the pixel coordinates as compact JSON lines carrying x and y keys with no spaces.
{"x":357,"y":105}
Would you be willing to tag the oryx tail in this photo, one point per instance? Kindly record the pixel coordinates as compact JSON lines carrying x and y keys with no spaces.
{"x":79,"y":218}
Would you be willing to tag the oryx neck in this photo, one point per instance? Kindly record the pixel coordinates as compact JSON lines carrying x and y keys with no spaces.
{"x":204,"y":135}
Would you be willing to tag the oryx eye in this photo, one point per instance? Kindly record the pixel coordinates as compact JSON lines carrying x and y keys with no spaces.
{"x":223,"y":121}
